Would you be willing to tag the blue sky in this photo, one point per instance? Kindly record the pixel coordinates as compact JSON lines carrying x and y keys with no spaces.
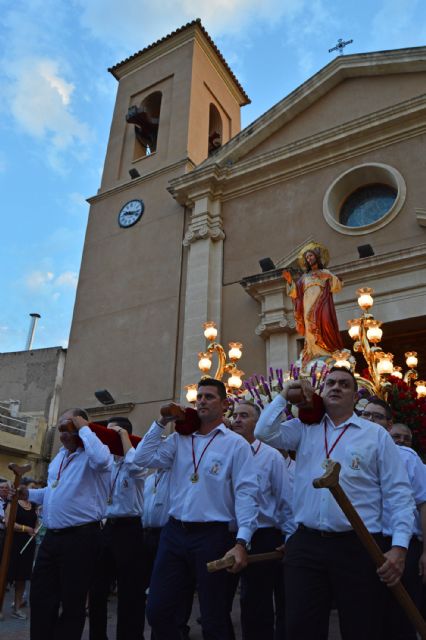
{"x":57,"y":102}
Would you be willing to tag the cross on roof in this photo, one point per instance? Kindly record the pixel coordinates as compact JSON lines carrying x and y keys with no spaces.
{"x":340,"y":46}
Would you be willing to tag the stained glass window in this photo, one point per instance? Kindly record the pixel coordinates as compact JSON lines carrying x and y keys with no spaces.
{"x":367,"y":204}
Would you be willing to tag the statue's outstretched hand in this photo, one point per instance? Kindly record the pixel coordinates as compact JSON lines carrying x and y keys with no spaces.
{"x":287,"y":276}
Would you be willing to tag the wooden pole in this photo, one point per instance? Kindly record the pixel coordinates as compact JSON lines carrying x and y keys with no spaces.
{"x":330,"y":480}
{"x":19,"y":471}
{"x":229,"y":561}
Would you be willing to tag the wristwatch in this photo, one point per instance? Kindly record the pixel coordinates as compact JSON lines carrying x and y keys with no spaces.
{"x":242,"y":542}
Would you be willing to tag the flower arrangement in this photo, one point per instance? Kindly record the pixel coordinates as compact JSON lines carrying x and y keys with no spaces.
{"x":262,"y":390}
{"x":409,"y":409}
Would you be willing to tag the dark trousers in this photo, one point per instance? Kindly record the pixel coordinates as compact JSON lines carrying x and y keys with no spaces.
{"x":319,"y":569}
{"x":62,"y":576}
{"x":181,"y":561}
{"x":396,"y":624}
{"x":151,"y":544}
{"x":257,"y":584}
{"x":122,"y":558}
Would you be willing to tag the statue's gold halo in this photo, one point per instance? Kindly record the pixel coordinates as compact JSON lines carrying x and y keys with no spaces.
{"x":316,"y":247}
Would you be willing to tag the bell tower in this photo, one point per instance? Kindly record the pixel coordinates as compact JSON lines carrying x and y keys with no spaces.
{"x":177,"y":102}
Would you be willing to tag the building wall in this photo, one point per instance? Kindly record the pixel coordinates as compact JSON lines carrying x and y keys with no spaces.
{"x":34,"y":378}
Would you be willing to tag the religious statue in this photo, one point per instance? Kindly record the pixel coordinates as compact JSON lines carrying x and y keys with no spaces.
{"x":314,"y":310}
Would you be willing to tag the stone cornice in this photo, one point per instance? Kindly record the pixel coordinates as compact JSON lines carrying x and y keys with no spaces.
{"x":124,"y":186}
{"x":373,"y":131}
{"x":110,"y":409}
{"x":389,"y":264}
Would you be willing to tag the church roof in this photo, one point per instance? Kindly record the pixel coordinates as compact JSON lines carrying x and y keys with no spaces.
{"x":194,"y":23}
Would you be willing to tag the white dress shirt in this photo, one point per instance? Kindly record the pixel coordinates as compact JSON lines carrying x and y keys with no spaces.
{"x":156,"y":501}
{"x":81,"y":492}
{"x":417,"y":475}
{"x":275,"y":493}
{"x":126,"y":486}
{"x":227,"y":484}
{"x":372,"y":472}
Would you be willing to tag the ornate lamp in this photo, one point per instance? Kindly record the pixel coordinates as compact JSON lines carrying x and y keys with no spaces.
{"x":235,"y":352}
{"x":366,"y":332}
{"x":191,"y":393}
{"x":421,"y":388}
{"x":342,"y":358}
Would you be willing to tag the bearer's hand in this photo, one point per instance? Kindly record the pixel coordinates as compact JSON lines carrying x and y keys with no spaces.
{"x":171,"y":412}
{"x":281,"y":548}
{"x":298,"y":392}
{"x":391,"y":571}
{"x":240,"y":555}
{"x":79,"y":422}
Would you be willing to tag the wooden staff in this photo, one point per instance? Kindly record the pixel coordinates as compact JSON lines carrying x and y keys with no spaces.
{"x":19,"y":471}
{"x":229,"y":561}
{"x":330,"y":480}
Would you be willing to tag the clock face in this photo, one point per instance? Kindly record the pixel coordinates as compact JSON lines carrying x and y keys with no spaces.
{"x":131,"y":213}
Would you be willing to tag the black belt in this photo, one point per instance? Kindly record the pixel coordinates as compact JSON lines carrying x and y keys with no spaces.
{"x":326,"y":534}
{"x":78,"y":527}
{"x":152,"y":529}
{"x":197,"y":526}
{"x":125,"y":521}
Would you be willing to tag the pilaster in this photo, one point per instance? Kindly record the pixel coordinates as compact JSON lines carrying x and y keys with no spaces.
{"x":203,"y":294}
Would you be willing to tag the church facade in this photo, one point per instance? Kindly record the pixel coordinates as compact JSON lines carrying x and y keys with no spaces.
{"x":189,"y":204}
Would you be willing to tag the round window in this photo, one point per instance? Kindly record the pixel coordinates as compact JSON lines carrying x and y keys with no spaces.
{"x":367,"y":204}
{"x":364,"y":199}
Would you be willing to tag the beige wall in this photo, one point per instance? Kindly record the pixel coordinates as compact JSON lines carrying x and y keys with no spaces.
{"x":272,"y":221}
{"x":170,"y":74}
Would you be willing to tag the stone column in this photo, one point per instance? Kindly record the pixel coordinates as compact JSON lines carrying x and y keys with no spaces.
{"x":203,"y":294}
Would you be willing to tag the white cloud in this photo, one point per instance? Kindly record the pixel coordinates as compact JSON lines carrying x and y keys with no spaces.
{"x":132,"y":25}
{"x":67,"y":279}
{"x":40,"y":102}
{"x":38,"y":280}
{"x":47,"y":283}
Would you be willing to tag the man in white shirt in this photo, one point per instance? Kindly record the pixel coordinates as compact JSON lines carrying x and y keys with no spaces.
{"x":324,"y":558}
{"x":275,"y":523}
{"x":212,"y":484}
{"x":396,"y":624}
{"x":73,"y":506}
{"x":122,"y":554}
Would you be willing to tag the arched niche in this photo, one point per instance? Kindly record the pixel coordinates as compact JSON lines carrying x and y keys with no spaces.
{"x":215,"y":129}
{"x":146,"y":119}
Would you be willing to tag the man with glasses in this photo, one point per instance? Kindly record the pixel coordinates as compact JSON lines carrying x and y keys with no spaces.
{"x":378,"y":411}
{"x":397,"y":626}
